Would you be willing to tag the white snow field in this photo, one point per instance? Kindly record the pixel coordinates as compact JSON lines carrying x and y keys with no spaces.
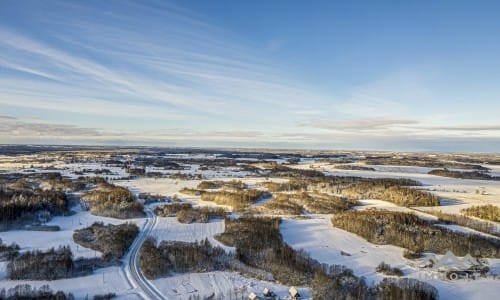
{"x":223,"y":284}
{"x":325,"y":243}
{"x":314,"y":234}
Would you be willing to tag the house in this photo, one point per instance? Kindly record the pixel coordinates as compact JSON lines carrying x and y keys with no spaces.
{"x":294,"y":293}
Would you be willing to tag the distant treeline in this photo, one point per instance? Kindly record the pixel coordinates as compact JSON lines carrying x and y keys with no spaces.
{"x":464,"y":175}
{"x":393,"y":190}
{"x":422,"y":162}
{"x":220,"y":184}
{"x":354,"y":167}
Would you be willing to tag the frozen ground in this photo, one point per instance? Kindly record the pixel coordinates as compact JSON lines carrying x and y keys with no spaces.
{"x":169,"y":229}
{"x":30,"y":240}
{"x":325,"y":243}
{"x":106,"y":280}
{"x":219,"y":283}
{"x":315,"y":235}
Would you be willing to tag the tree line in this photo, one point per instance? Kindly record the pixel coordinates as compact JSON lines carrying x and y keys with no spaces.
{"x":186,"y":213}
{"x":488,"y":212}
{"x":409,"y":231}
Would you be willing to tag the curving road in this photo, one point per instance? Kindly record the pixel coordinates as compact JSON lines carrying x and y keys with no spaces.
{"x":134,"y":272}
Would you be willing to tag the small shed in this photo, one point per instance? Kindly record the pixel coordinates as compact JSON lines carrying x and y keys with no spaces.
{"x":268,"y":294}
{"x":294,"y":293}
{"x":252,"y":296}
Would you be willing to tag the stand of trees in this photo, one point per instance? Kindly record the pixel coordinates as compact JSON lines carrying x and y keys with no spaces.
{"x":109,"y":200}
{"x":37,"y":265}
{"x":409,"y":231}
{"x":281,"y":204}
{"x":296,"y":203}
{"x":465,"y":221}
{"x":112,"y":240}
{"x":354,"y":167}
{"x":15,"y":204}
{"x":487,"y":212}
{"x":8,"y":252}
{"x":26,"y":291}
{"x":186,"y":213}
{"x":231,"y":185}
{"x":393,"y":190}
{"x":463,"y":175}
{"x":239,"y":200}
{"x":420,"y":161}
{"x":180,"y":257}
{"x":388,"y":270}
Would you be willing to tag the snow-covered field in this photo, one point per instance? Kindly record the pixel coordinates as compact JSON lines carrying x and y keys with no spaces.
{"x":223,"y":284}
{"x":314,"y":234}
{"x":325,"y":243}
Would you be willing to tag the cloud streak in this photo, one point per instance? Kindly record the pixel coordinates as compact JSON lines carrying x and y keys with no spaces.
{"x":361,"y":124}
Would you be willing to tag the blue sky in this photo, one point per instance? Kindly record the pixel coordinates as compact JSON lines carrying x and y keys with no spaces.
{"x":388,"y":75}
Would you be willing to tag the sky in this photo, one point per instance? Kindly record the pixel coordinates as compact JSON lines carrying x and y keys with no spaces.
{"x":362,"y":75}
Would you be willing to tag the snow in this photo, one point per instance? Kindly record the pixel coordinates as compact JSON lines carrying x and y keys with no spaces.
{"x":29,"y":240}
{"x":105,"y":280}
{"x":314,"y":234}
{"x":205,"y":284}
{"x":169,"y":229}
{"x":324,"y":243}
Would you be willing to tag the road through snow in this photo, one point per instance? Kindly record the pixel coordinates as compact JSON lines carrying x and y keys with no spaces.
{"x":134,"y":273}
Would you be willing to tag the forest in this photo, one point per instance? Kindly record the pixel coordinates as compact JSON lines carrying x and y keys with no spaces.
{"x":27,"y":292}
{"x":220,"y":184}
{"x":111,"y":240}
{"x":180,"y":257}
{"x":296,"y":203}
{"x":397,"y":191}
{"x":186,"y":213}
{"x":259,"y":243}
{"x":463,"y":174}
{"x":239,"y":200}
{"x":419,"y":161}
{"x":467,"y":221}
{"x":388,"y":270}
{"x":18,"y":202}
{"x":37,"y":265}
{"x":486,"y":212}
{"x":8,"y":252}
{"x":109,"y":200}
{"x":409,"y":231}
{"x":354,"y":167}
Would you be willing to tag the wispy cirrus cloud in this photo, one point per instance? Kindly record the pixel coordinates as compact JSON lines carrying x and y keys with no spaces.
{"x":491,"y":127}
{"x":361,"y":124}
{"x":174,"y":61}
{"x":5,"y":117}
